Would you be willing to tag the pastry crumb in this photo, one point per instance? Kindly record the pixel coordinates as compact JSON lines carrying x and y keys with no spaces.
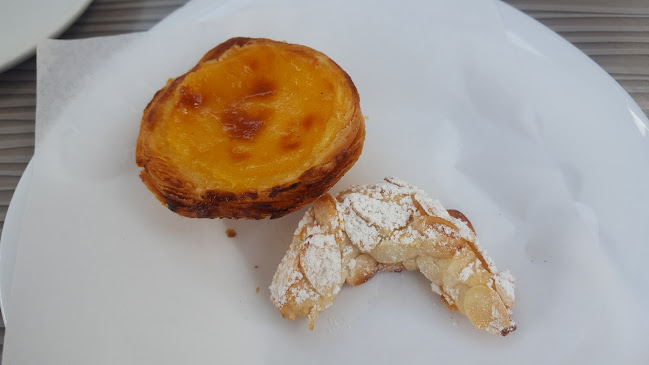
{"x":256,"y":266}
{"x":231,"y":232}
{"x":366,"y":117}
{"x":257,"y":290}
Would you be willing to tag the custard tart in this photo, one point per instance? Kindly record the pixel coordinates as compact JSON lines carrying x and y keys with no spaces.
{"x":258,"y":128}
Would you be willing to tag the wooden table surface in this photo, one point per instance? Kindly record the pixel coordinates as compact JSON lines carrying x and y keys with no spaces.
{"x":614,"y":33}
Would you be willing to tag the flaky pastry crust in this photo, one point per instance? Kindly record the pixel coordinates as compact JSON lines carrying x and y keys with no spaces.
{"x":390,"y":226}
{"x":274,"y":127}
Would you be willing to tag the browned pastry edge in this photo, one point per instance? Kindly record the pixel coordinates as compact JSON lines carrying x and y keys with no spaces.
{"x":184,"y":199}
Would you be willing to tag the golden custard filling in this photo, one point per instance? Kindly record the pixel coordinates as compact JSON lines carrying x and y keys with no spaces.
{"x":251,"y":120}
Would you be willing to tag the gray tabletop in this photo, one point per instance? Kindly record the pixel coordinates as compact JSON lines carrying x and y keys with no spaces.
{"x":614,"y":33}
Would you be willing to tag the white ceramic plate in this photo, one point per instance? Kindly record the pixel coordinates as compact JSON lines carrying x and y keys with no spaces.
{"x":548,"y":158}
{"x":10,"y":238}
{"x":23,"y":23}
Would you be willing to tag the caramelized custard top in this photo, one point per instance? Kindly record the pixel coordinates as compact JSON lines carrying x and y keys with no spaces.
{"x":262,"y":112}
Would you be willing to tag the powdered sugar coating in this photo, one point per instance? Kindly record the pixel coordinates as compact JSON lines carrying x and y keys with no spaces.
{"x":494,"y":326}
{"x":302,"y":294}
{"x":468,"y":270}
{"x":429,"y":205}
{"x":286,"y":275}
{"x":322,"y":263}
{"x":387,"y":215}
{"x":504,"y":282}
{"x":361,"y":233}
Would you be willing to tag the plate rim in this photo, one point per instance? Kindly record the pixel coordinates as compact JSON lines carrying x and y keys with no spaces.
{"x":75,"y":12}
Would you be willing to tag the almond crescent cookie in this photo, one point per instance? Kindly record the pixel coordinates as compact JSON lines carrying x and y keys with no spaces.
{"x":390,"y":226}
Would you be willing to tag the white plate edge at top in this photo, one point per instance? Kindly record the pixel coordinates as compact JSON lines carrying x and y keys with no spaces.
{"x":49,"y":30}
